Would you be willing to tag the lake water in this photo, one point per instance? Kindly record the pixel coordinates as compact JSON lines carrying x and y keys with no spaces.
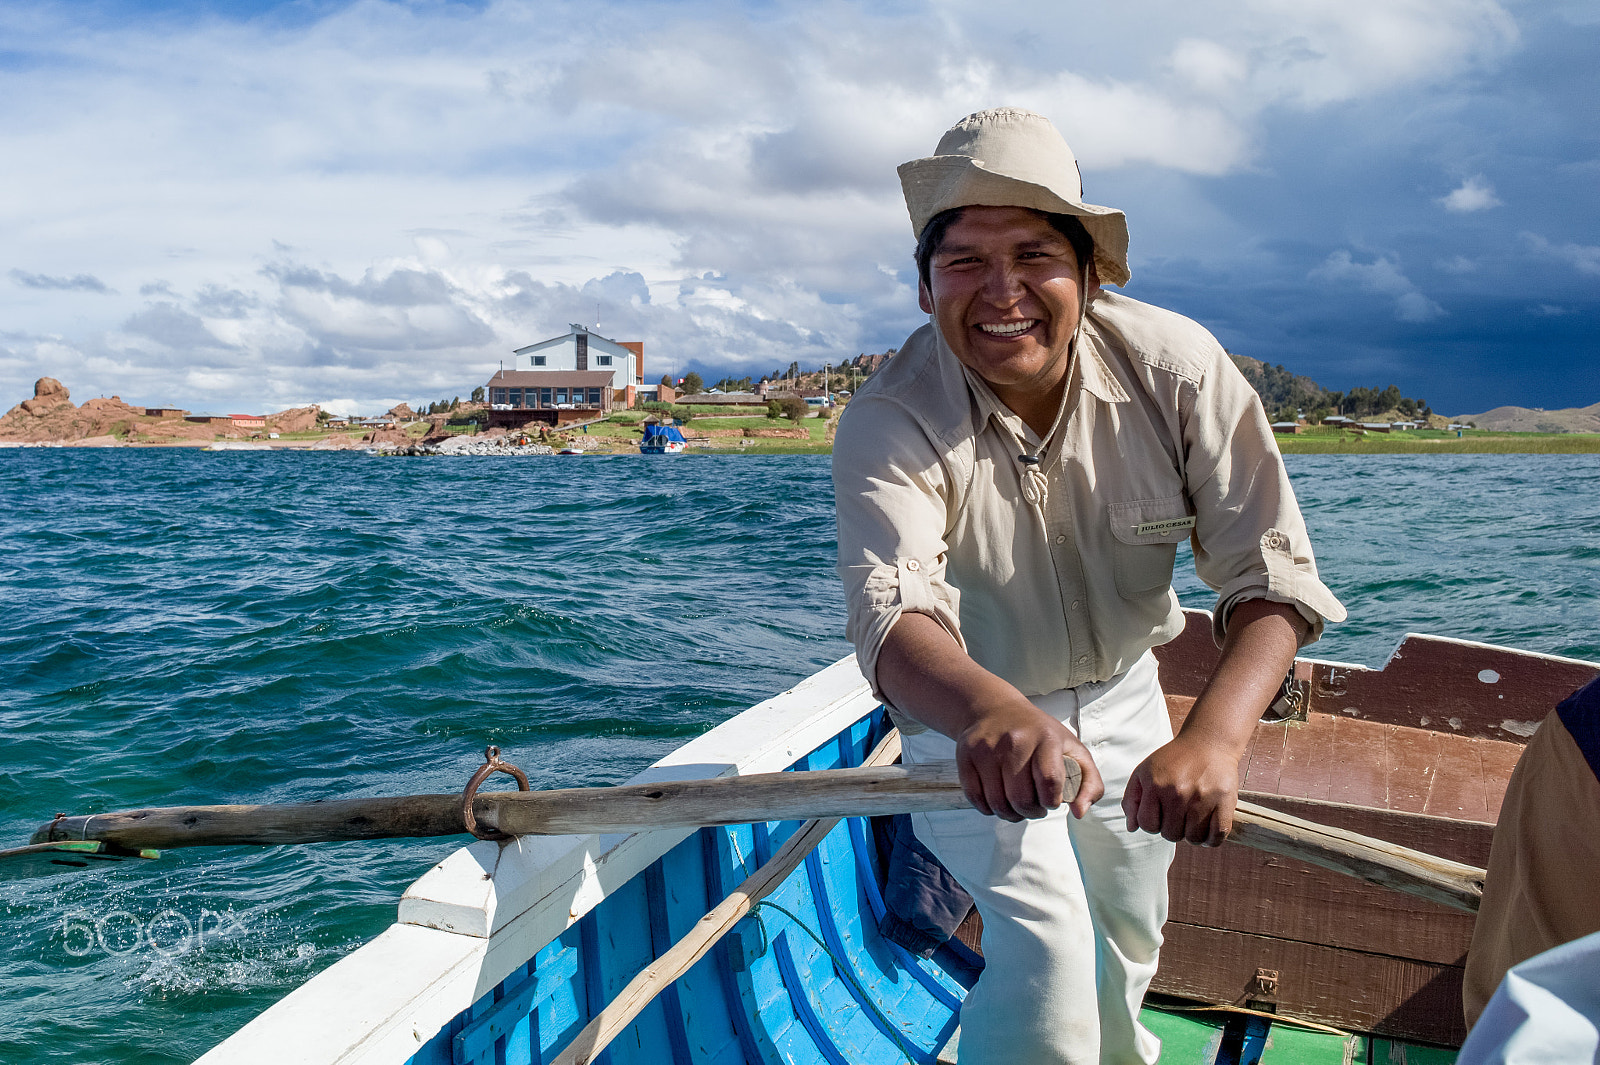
{"x":185,"y":627}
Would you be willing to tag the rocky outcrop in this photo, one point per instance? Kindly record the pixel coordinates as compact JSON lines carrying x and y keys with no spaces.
{"x":402,"y":412}
{"x":48,"y":395}
{"x":437,"y":433}
{"x":51,"y":415}
{"x":294,"y":420}
{"x":391,"y":437}
{"x":482,"y":444}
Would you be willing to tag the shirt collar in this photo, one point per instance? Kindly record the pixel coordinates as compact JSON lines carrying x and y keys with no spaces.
{"x":1092,"y":366}
{"x":1088,"y":372}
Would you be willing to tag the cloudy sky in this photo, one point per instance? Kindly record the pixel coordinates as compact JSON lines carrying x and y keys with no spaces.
{"x":251,"y":205}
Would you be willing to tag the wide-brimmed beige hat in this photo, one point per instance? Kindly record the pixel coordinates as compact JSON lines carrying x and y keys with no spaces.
{"x":1008,"y":157}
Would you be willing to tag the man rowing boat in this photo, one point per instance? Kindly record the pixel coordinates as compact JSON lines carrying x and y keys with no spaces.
{"x":1011,"y":489}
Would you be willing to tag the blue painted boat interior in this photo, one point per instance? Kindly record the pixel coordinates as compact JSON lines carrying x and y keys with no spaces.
{"x":805,"y":979}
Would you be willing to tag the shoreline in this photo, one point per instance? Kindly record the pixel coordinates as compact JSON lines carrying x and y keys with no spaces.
{"x":725,"y":435}
{"x":1561,"y":445}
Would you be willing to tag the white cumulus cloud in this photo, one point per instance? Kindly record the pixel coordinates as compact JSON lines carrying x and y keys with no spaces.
{"x":1474,"y":194}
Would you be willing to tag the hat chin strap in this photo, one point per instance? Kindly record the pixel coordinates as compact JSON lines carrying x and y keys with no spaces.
{"x":1034,"y":485}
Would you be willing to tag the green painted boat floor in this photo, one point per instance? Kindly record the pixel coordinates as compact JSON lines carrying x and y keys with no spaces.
{"x":1194,"y":1039}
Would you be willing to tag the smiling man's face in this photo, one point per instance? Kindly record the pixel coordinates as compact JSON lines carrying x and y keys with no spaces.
{"x":1004,"y":290}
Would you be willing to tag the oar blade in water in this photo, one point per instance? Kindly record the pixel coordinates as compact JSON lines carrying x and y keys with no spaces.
{"x":44,"y":859}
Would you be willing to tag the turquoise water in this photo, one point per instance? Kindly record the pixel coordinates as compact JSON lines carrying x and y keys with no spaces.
{"x":184,"y":627}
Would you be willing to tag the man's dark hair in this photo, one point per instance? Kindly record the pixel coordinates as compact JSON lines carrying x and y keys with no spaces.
{"x":933,"y":236}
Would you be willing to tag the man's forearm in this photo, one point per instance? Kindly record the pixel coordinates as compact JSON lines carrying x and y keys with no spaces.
{"x":1256,"y":653}
{"x":1009,"y":752}
{"x":1187,"y":789}
{"x":927,"y":675}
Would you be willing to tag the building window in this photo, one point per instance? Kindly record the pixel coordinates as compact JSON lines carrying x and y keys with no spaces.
{"x":602,"y":360}
{"x":594,"y":397}
{"x":538,"y":360}
{"x":544,"y":398}
{"x":497,"y":395}
{"x":561,"y":396}
{"x":516,"y":397}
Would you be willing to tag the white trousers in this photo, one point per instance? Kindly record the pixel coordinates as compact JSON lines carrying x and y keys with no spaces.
{"x":1072,"y":910}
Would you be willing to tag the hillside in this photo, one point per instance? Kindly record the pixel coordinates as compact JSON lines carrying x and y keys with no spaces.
{"x":1534,"y":420}
{"x":1283,"y":393}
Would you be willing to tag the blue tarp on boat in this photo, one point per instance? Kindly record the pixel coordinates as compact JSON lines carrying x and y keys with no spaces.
{"x":661,"y":434}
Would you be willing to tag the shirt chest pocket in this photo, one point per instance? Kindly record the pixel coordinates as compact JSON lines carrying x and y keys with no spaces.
{"x":1147,"y":533}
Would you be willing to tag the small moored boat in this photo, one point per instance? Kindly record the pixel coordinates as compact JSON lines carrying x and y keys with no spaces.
{"x":505,"y":953}
{"x":661,"y":440}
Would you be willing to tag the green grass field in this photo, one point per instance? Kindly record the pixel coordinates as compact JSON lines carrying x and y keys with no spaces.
{"x":1322,"y":441}
{"x":620,"y":431}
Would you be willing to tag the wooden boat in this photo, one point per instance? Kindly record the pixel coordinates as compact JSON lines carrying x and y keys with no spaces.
{"x":503,"y":954}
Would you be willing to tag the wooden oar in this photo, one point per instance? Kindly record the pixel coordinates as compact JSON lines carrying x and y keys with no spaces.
{"x":1377,"y":862}
{"x":861,"y":792}
{"x":797,"y":796}
{"x":681,"y":956}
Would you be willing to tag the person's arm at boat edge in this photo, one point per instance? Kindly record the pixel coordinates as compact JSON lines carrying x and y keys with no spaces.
{"x":1009,"y":752}
{"x":1188,"y":788}
{"x":1251,"y":545}
{"x":892,"y":492}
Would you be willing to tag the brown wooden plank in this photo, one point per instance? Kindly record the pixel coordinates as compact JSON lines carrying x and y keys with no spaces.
{"x":1499,"y":759}
{"x":1307,"y":769}
{"x":1188,"y":661}
{"x":1358,"y":751}
{"x":1459,"y":787}
{"x":1431,"y":683}
{"x":1178,"y":707}
{"x":1285,"y":900}
{"x":1265,"y":766}
{"x":1410,"y":757}
{"x":1452,"y":686}
{"x":1242,"y":890}
{"x":1395,"y":997}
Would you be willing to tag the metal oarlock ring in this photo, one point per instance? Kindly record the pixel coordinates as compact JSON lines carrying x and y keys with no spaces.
{"x":491,"y":764}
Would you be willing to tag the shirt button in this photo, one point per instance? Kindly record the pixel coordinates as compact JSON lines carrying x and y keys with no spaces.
{"x":1077,"y":604}
{"x":1061,"y":538}
{"x":913,"y":565}
{"x":1083,"y":659}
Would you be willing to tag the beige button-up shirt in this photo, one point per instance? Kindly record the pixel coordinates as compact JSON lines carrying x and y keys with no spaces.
{"x":1054,"y":578}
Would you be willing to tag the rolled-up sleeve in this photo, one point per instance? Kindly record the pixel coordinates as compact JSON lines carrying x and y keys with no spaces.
{"x":1250,"y":541}
{"x":892,"y":493}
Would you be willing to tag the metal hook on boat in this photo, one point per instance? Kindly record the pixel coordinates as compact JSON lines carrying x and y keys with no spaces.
{"x":491,"y":764}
